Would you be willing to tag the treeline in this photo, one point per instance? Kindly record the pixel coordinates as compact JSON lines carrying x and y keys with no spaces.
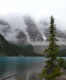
{"x":62,"y":53}
{"x":9,"y":49}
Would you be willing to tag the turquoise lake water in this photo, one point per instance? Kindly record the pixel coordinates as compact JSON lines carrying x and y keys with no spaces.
{"x":27,"y":68}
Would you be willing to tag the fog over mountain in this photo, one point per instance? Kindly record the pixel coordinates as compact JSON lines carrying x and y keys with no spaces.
{"x":26,"y":29}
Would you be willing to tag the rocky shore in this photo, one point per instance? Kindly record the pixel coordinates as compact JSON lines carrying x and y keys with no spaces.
{"x":62,"y":77}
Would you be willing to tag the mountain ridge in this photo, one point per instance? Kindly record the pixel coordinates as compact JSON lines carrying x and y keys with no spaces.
{"x":32,"y":30}
{"x":8,"y":49}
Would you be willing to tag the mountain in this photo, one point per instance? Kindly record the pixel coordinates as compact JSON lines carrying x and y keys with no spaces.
{"x":36,"y":32}
{"x":44,"y":27}
{"x":32,"y":29}
{"x":62,"y":53}
{"x":61,"y":34}
{"x":40,"y":48}
{"x":21,"y":37}
{"x":4,"y":27}
{"x":8,"y":49}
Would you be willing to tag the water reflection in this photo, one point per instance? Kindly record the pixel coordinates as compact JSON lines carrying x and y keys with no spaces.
{"x":27,"y":68}
{"x":2,"y":66}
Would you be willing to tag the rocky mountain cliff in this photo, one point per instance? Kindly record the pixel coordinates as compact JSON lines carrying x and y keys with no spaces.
{"x":34,"y":31}
{"x":9,"y":49}
{"x":40,"y":48}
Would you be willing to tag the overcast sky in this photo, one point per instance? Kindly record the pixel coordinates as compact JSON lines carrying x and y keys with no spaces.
{"x":36,"y":8}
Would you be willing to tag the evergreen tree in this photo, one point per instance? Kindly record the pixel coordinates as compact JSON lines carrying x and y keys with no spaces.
{"x":51,"y":69}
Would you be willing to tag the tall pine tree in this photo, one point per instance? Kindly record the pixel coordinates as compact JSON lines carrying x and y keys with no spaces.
{"x":51,"y":69}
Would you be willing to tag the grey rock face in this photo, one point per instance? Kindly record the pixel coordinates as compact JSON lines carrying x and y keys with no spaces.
{"x":4,"y":27}
{"x":21,"y":37}
{"x":59,"y":32}
{"x":40,"y":49}
{"x":3,"y":22}
{"x":20,"y":34}
{"x":32,"y":29}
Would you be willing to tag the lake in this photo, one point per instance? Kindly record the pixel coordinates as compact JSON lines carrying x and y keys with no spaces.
{"x":27,"y":68}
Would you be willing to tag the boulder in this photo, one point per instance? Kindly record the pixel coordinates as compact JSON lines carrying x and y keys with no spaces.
{"x":62,"y":77}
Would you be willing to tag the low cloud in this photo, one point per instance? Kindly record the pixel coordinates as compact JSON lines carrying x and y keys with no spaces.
{"x":16,"y":21}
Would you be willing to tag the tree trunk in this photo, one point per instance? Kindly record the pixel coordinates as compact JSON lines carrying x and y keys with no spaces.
{"x":8,"y":77}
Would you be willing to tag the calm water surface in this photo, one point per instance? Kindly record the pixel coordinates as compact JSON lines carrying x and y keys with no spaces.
{"x":27,"y":68}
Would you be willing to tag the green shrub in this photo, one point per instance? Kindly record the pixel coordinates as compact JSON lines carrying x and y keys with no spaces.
{"x":62,"y":63}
